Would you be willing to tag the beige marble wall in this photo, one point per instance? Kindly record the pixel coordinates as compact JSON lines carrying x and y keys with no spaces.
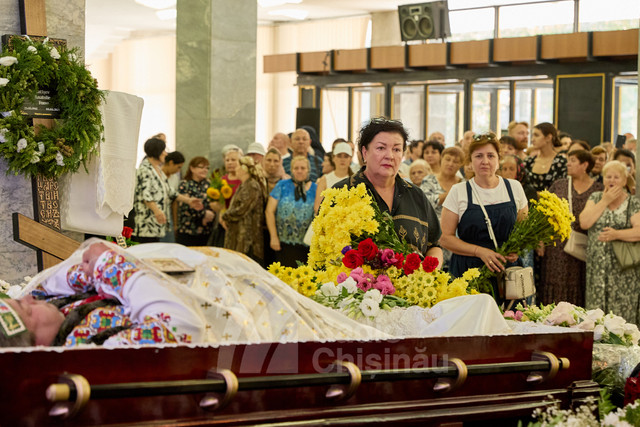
{"x":65,"y":19}
{"x":215,"y":76}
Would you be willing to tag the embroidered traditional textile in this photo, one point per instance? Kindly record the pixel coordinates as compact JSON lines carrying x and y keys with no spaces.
{"x":10,"y":322}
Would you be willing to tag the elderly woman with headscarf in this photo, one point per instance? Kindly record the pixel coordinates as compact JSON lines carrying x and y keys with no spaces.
{"x":244,"y":220}
{"x":153,"y":195}
{"x":290,"y":212}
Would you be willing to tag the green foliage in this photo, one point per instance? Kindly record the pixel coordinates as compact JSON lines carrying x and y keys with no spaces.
{"x":74,"y":137}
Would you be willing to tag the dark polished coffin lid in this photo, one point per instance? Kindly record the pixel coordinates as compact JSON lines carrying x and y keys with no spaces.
{"x":27,"y":374}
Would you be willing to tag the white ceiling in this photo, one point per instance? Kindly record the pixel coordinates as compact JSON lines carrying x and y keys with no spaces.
{"x":110,"y":22}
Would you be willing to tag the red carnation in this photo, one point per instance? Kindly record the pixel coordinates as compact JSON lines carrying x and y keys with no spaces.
{"x":368,"y":249}
{"x":412,"y":263}
{"x":400,"y":262}
{"x":429,"y":264}
{"x":352,"y":259}
{"x":126,"y":232}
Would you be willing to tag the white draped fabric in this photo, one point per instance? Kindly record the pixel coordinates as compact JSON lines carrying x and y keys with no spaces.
{"x":238,"y":301}
{"x":95,"y":202}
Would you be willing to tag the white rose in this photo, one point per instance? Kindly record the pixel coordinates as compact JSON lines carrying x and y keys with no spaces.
{"x":598,"y":331}
{"x":373,"y":294}
{"x":59,"y":159}
{"x":8,"y":60}
{"x":3,"y":81}
{"x":22,"y":144}
{"x":350,"y":284}
{"x":587,"y":325}
{"x":3,"y":135}
{"x":54,"y":53}
{"x":595,"y":315}
{"x":615,"y":325}
{"x":562,"y":313}
{"x":369,"y":307}
{"x":329,"y":289}
{"x":32,"y":49}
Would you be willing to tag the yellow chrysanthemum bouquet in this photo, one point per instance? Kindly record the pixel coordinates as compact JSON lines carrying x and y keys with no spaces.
{"x":355,"y":245}
{"x":548,"y":221}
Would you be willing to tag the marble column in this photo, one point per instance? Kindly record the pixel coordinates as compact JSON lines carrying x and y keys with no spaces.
{"x":65,"y":20}
{"x":215,"y":76}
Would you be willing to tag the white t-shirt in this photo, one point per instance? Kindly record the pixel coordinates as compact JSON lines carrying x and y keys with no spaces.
{"x":457,"y":201}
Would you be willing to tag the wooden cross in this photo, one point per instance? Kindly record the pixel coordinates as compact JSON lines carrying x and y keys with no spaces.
{"x":46,"y":206}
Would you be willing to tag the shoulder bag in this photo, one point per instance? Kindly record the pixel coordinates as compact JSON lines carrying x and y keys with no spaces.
{"x":627,"y":253}
{"x":515,"y":282}
{"x":576,"y":245}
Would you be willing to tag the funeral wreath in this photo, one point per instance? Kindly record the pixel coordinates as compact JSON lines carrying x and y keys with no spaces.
{"x":27,"y":67}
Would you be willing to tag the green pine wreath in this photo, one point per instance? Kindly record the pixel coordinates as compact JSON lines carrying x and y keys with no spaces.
{"x":25,"y":67}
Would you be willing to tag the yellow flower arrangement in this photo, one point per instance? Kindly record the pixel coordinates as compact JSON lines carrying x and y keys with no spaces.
{"x":342,"y":214}
{"x":219,"y":189}
{"x":349,"y":216}
{"x":548,"y":221}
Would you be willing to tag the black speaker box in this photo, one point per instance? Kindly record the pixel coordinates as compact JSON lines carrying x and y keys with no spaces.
{"x":422,"y":21}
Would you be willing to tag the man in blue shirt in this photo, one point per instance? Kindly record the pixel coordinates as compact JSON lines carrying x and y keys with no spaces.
{"x":300,"y":143}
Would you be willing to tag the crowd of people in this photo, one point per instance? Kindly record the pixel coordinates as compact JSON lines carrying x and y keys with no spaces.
{"x":441,"y":195}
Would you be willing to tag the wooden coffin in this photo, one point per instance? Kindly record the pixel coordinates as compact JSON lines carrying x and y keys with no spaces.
{"x":286,"y":383}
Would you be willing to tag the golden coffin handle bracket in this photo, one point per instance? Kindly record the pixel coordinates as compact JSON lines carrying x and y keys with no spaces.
{"x":60,"y":393}
{"x":555,"y":364}
{"x":210,"y":401}
{"x":336,"y":392}
{"x":448,"y":384}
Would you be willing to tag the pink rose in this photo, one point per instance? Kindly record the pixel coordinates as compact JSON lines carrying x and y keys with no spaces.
{"x":509,"y":314}
{"x":388,"y":257}
{"x":384,"y":285}
{"x":366,"y":282}
{"x":356,"y":274}
{"x":341,"y":277}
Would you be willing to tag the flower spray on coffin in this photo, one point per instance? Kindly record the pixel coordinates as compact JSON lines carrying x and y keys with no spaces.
{"x":548,"y":221}
{"x":355,"y":245}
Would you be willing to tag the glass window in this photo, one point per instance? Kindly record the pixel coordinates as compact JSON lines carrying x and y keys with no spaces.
{"x":541,"y":18}
{"x":335,"y":113}
{"x":408,"y":107}
{"x":367,"y":102}
{"x":475,"y":24}
{"x":625,"y":106}
{"x":534,"y":101}
{"x":491,"y":102}
{"x":445,"y":111}
{"x":614,"y":15}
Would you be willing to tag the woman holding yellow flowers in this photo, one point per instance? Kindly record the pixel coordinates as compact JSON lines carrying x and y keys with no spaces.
{"x":230,"y":182}
{"x":612,"y":214}
{"x":382,"y":143}
{"x":464,"y":228}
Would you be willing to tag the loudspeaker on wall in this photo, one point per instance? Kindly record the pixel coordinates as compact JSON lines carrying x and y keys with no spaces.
{"x":421,"y":21}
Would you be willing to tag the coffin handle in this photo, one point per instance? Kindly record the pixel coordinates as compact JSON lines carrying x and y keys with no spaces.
{"x":211,"y":401}
{"x":555,"y":364}
{"x":336,"y":392}
{"x":448,"y":384}
{"x":62,"y":393}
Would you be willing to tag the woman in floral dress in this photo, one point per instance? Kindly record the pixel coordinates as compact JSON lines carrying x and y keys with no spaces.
{"x":547,"y":166}
{"x":612,"y":214}
{"x":194,"y":226}
{"x":563,"y":276}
